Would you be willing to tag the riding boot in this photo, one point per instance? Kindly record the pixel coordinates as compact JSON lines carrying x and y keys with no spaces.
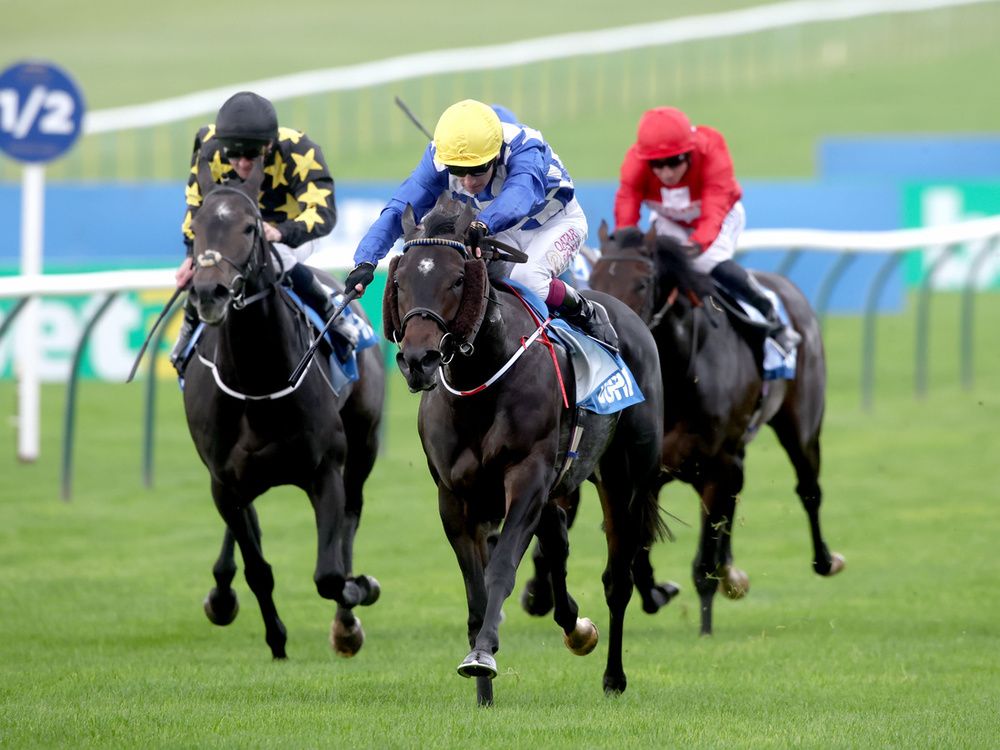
{"x":589,"y":316}
{"x":735,"y":278}
{"x":312,"y":292}
{"x":188,"y":324}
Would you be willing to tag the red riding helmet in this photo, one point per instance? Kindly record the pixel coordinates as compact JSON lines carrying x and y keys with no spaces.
{"x":664,"y":132}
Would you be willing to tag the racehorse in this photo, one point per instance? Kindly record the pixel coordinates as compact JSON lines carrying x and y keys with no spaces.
{"x":715,"y":397}
{"x":496,"y":435}
{"x":254,"y":431}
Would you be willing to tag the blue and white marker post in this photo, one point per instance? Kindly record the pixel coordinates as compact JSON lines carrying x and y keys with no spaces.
{"x":41,"y":116}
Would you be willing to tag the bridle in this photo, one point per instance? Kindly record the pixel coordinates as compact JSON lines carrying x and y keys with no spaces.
{"x":255,"y":263}
{"x":465,"y":348}
{"x":646,"y":311}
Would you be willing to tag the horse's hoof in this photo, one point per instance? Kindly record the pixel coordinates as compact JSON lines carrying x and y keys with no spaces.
{"x":735,"y":583}
{"x":346,"y":640}
{"x":583,"y":639}
{"x":221,"y":608}
{"x":659,"y":596}
{"x":533,"y":601}
{"x":837,"y":563}
{"x":371,"y":587}
{"x":615,"y":684}
{"x":478,"y":664}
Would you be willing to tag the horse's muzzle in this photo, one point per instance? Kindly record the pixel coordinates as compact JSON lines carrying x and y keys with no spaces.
{"x":419,"y":367}
{"x":212,"y":302}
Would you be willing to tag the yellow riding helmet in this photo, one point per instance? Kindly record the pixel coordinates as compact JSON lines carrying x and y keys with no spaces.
{"x":468,"y":134}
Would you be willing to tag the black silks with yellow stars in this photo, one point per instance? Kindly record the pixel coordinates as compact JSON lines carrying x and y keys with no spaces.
{"x":297,"y":194}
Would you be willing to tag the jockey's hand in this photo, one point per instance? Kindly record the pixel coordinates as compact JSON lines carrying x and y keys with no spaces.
{"x":474,"y":235}
{"x":185,"y":273}
{"x":271,"y":233}
{"x":360,"y":277}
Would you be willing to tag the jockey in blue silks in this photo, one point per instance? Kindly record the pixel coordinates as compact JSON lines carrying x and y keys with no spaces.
{"x":524,"y":196}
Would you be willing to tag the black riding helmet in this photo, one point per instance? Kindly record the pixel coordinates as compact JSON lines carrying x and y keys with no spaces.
{"x":246,"y":122}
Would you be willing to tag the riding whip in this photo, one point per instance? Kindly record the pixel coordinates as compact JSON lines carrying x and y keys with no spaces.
{"x":413,"y":118}
{"x":163,"y":314}
{"x":349,"y":297}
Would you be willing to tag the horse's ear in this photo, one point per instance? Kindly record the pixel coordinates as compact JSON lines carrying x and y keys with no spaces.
{"x":391,"y":327}
{"x":475,"y":297}
{"x":206,"y":183}
{"x":251,"y":185}
{"x":465,"y":218}
{"x":602,"y":232}
{"x":409,"y":221}
{"x":650,"y":243}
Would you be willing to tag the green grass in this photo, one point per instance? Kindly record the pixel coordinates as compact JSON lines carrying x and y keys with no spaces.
{"x":103,"y":641}
{"x":773,"y":94}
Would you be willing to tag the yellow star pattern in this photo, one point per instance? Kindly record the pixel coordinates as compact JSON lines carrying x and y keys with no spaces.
{"x":291,"y":207}
{"x":219,"y":169}
{"x":310,"y":217}
{"x":288,"y":134}
{"x":186,"y":226}
{"x":277,"y":171}
{"x":314,"y":196}
{"x":193,"y":194}
{"x":210,"y":133}
{"x":305,"y":163}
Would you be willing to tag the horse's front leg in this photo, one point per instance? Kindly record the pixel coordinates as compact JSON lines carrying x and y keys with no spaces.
{"x":221,"y":604}
{"x":335,"y":529}
{"x":471,"y":543}
{"x":525,"y":488}
{"x":242,"y":523}
{"x":536,"y":598}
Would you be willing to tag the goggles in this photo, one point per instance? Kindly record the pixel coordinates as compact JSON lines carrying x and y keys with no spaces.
{"x":470,"y":171}
{"x":671,"y":161}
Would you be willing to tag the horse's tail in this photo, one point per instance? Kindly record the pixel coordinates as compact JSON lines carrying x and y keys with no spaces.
{"x":652,"y":525}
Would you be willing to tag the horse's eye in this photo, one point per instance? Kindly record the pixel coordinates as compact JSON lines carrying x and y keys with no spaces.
{"x":458,"y":282}
{"x":248,"y":229}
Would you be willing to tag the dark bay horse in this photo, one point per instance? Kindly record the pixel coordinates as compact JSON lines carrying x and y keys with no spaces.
{"x":495,"y":431}
{"x":715,"y":398}
{"x":254,"y":431}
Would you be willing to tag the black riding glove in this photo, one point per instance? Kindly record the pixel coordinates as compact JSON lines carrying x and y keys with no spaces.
{"x":474,"y":235}
{"x":363,"y":274}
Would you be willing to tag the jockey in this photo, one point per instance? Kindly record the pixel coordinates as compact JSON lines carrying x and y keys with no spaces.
{"x":482,"y":156}
{"x":684,"y":176}
{"x":296,"y":199}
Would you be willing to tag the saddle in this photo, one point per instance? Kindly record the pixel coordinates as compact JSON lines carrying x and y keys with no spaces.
{"x":772,"y":361}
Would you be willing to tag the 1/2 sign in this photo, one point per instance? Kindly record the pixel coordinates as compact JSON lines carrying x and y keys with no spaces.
{"x":41,"y":111}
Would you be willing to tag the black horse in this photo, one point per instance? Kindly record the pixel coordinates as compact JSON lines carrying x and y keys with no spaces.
{"x":715,"y":397}
{"x":254,"y":431}
{"x":496,"y":436}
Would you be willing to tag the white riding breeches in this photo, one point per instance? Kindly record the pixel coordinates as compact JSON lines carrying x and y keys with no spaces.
{"x":292,"y":256}
{"x":724,"y":246}
{"x":550,"y":248}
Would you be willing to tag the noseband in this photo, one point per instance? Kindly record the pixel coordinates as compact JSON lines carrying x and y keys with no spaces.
{"x":465,"y":348}
{"x":237,"y":287}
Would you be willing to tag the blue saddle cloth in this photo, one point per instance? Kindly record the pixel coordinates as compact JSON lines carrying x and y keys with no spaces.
{"x":604,"y":383}
{"x":343,"y":372}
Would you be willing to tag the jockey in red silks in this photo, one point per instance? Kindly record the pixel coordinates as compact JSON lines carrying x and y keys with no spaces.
{"x":684,"y":175}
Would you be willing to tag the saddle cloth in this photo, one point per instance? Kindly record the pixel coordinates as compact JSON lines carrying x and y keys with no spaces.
{"x":604,"y":383}
{"x":778,"y":364}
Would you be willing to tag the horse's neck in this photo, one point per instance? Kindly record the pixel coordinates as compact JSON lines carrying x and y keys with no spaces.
{"x":258,"y":344}
{"x":498,"y":339}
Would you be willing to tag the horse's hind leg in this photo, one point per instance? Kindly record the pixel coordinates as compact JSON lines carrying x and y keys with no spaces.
{"x":536,"y":599}
{"x":804,"y":453}
{"x":221,"y":604}
{"x":242,"y":523}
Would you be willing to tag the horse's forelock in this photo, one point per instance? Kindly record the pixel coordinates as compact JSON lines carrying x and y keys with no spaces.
{"x":628,"y":238}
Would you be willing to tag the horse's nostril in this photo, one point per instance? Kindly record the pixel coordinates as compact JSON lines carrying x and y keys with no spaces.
{"x":430,"y":361}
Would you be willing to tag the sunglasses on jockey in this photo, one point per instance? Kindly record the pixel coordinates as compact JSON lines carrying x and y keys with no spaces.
{"x":482,"y":169}
{"x":245,"y":150}
{"x":671,"y":161}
